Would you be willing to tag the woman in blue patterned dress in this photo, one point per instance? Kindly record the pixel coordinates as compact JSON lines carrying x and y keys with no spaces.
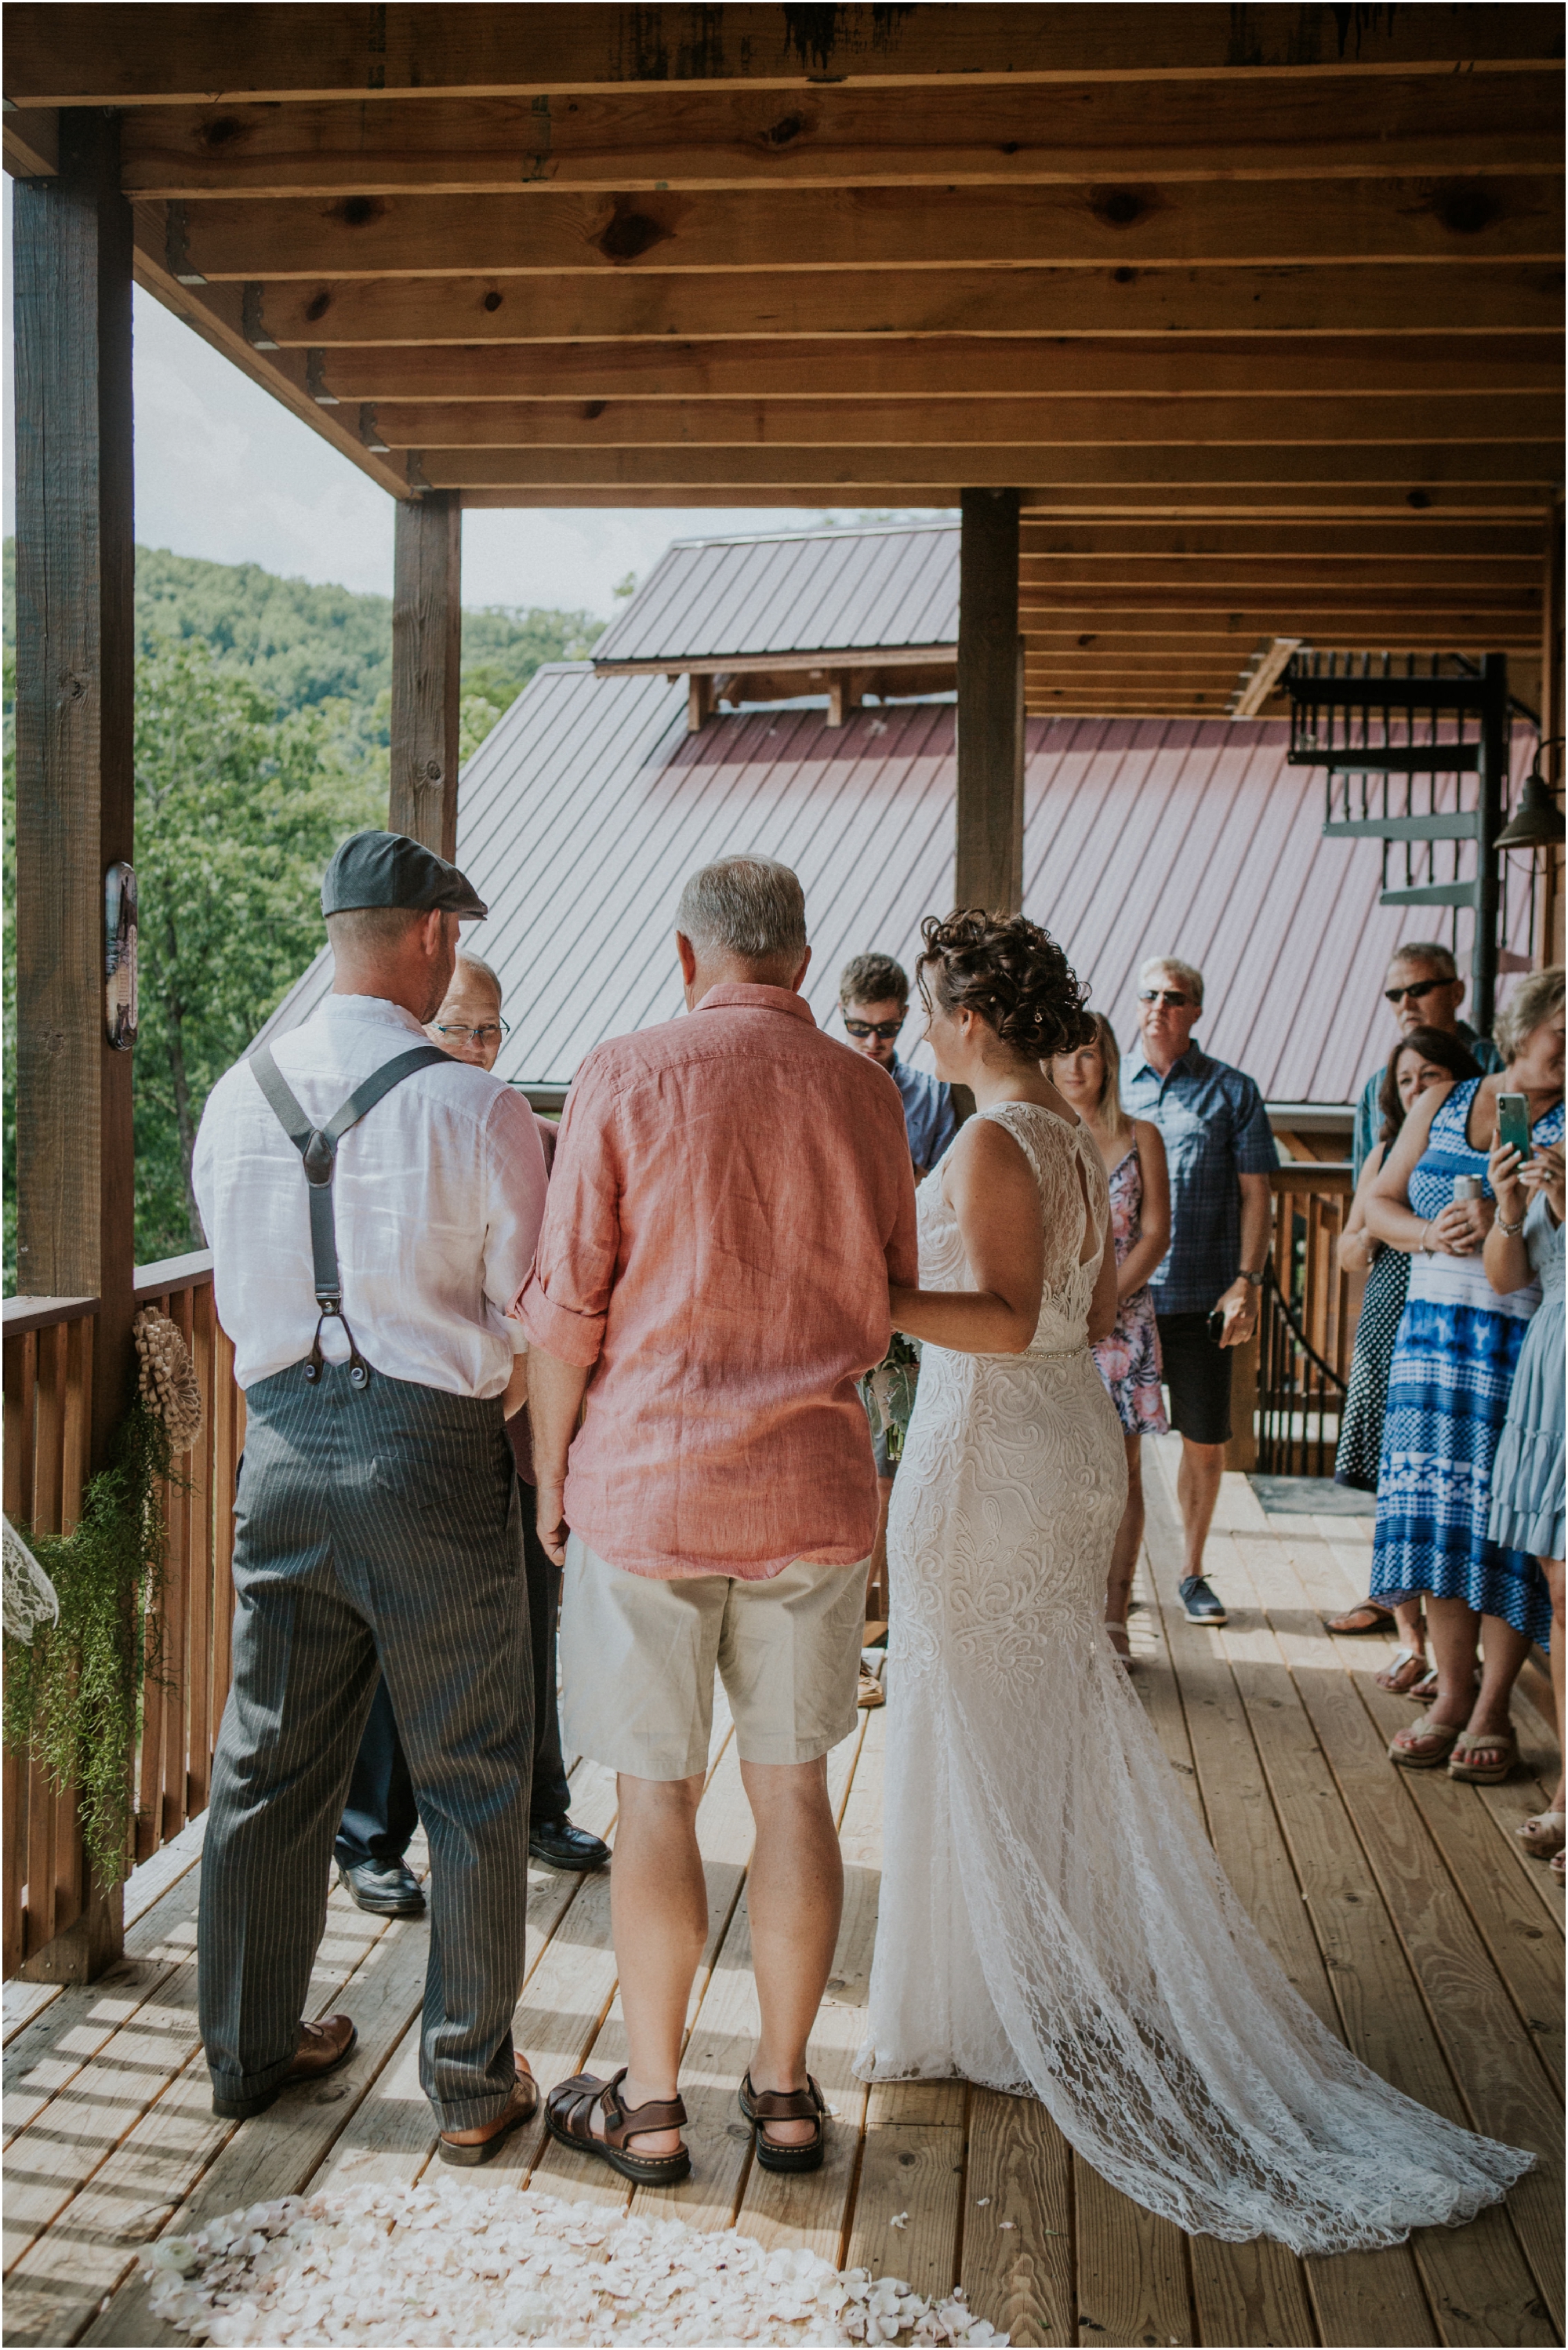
{"x":1447,"y":1392}
{"x":1128,"y":1359}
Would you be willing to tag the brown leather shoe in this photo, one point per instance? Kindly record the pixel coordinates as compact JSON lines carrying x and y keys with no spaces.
{"x":479,"y":2145}
{"x":321,"y":2049}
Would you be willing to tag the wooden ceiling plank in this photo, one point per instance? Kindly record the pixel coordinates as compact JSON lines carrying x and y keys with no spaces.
{"x":1418,"y":538}
{"x":961,"y":368}
{"x":97,"y":53}
{"x":1372,"y":298}
{"x":1456,"y":417}
{"x":749,"y":469}
{"x":958,"y":135}
{"x":1501,"y":504}
{"x":1201,"y":223}
{"x":1298,"y":502}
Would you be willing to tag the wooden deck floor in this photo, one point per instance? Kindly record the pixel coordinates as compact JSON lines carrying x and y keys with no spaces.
{"x":1400,"y":1906}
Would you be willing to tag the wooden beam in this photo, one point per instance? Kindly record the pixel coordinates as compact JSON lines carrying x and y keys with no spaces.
{"x":1502,"y":502}
{"x":926,"y":477}
{"x":76,"y":645}
{"x":1462,"y":417}
{"x":989,"y":813}
{"x":1370,"y":298}
{"x":106,"y":55}
{"x":30,"y":143}
{"x":1346,"y":624}
{"x":1416,"y":535}
{"x":958,"y":135}
{"x":782,"y":664}
{"x":1395,"y":369}
{"x":1550,"y":925}
{"x":221,"y":323}
{"x":1470,"y":575}
{"x":427,"y":653}
{"x":1204,"y":224}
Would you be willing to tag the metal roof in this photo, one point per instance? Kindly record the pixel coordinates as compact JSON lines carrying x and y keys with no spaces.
{"x":585,"y":809}
{"x":868,"y":591}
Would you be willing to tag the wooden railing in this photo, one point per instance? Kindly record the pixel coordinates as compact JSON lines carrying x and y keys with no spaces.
{"x":48,"y":1364}
{"x":1307,"y":1327}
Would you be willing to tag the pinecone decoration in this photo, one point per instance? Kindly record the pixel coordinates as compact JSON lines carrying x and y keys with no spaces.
{"x":168,"y":1383}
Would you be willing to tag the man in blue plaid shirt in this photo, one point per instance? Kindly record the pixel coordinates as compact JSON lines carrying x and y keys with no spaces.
{"x":1221,"y":1152}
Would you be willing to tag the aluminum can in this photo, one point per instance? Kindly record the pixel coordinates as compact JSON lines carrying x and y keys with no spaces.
{"x":1466,"y":1186}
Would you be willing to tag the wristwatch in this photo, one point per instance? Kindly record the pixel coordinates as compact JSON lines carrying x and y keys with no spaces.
{"x":1254,"y":1280}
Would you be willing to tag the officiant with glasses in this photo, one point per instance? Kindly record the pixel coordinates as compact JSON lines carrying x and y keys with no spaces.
{"x":380,"y":1815}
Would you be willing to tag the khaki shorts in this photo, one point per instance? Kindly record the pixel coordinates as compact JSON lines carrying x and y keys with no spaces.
{"x":639,"y":1655}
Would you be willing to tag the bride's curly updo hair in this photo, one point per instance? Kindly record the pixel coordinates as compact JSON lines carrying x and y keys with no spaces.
{"x":1009,"y":971}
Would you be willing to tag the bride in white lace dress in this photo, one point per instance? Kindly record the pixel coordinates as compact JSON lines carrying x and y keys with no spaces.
{"x":1053,"y":1920}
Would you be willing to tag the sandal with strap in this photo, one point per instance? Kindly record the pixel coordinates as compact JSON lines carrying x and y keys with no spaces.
{"x":761,"y":2106}
{"x":1543,"y":1835}
{"x":1367,"y":1616}
{"x":1503,"y":1742}
{"x":1440,"y":1736}
{"x":1397,"y":1677}
{"x":568,"y":2110}
{"x":1426,"y":1690}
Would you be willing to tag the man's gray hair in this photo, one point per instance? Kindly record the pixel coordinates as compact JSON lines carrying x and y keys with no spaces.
{"x":1437,"y":958}
{"x":1189,"y":975}
{"x":476,"y":963}
{"x":749,"y":907}
{"x":1532,"y":1004}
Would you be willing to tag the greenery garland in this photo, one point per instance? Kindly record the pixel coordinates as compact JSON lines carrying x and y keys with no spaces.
{"x":73,"y":1694}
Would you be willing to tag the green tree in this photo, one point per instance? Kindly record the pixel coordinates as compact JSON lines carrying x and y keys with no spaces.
{"x":236,"y":813}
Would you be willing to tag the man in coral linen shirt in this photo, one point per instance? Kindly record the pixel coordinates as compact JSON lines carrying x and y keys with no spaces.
{"x":732,"y":1195}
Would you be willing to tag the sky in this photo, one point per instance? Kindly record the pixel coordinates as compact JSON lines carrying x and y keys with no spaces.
{"x":226,"y":472}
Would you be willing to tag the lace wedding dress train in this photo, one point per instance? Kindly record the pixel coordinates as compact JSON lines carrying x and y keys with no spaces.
{"x":1053,"y":1919}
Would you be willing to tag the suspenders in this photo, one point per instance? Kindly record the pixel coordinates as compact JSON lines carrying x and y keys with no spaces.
{"x":317,"y":1148}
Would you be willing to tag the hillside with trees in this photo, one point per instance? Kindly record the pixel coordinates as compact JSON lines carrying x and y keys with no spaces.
{"x":262,"y":735}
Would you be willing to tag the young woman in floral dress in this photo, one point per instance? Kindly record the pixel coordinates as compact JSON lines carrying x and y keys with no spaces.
{"x":1128,"y":1359}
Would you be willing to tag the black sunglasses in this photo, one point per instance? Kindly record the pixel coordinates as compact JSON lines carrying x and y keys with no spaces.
{"x":1416,"y":991}
{"x":1162,"y":995}
{"x":886,"y":1029}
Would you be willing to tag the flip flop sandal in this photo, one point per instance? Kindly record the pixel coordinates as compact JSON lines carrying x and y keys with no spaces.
{"x":1367,"y":1616}
{"x":1484,"y":1774}
{"x":871,"y":1692}
{"x":1555,"y":1865}
{"x":761,"y":2106}
{"x":568,"y":2110}
{"x":1441,"y":1735}
{"x":1400,"y":1663}
{"x":485,"y":2149}
{"x":1425,"y":1690}
{"x":1545,"y":1834}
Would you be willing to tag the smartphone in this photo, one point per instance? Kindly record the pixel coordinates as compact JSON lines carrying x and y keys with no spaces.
{"x":1217,"y":1326}
{"x":1513,"y":1123}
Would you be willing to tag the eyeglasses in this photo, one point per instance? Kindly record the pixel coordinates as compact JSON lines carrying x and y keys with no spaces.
{"x":886,"y":1029}
{"x":458,"y":1034}
{"x":1162,"y":995}
{"x":1416,"y":991}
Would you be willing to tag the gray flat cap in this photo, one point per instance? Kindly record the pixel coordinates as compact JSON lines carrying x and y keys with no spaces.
{"x":387,"y":869}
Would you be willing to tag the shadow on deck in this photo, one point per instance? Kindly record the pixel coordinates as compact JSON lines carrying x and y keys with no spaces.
{"x":1400,"y":1906}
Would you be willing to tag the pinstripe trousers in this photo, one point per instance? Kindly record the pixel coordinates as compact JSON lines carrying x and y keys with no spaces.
{"x":379,"y":1528}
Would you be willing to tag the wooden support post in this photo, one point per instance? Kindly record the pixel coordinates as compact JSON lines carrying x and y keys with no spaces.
{"x":699,"y":702}
{"x":75,"y":802}
{"x":427,"y":659}
{"x":990,"y":849}
{"x":1549,"y":931}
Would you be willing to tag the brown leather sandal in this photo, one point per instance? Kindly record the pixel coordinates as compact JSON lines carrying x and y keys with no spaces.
{"x":764,"y":2106}
{"x":570,"y":2105}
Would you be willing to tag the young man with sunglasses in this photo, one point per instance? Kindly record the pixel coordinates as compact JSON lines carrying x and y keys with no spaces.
{"x":1221,"y":1152}
{"x":874,"y":999}
{"x":1425,"y":990}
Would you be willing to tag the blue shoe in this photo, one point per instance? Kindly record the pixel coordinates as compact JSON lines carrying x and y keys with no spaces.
{"x":1202,"y":1605}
